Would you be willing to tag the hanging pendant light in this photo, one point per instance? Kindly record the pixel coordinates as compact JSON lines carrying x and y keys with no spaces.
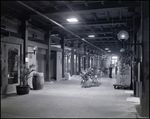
{"x":123,"y":35}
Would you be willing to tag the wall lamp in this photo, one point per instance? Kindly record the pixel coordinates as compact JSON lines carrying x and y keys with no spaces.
{"x":34,"y":49}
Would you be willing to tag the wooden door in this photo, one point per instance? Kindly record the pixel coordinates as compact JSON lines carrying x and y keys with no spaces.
{"x":9,"y":69}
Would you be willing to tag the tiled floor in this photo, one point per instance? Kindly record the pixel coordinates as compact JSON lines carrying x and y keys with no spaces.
{"x":66,"y":98}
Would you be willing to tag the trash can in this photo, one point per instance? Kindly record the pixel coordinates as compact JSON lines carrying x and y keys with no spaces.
{"x":38,"y":81}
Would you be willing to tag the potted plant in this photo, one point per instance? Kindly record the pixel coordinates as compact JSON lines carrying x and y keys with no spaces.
{"x":25,"y":72}
{"x":38,"y":81}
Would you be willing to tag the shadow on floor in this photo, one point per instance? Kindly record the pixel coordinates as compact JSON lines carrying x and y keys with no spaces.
{"x":90,"y":86}
{"x":10,"y":95}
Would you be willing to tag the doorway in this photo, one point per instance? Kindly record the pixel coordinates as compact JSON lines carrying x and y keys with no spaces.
{"x":9,"y":69}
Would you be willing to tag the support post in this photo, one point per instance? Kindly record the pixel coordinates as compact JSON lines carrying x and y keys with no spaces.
{"x":25,"y":39}
{"x":63,"y":55}
{"x":79,"y":57}
{"x":72,"y":59}
{"x":144,"y":98}
{"x":84,"y":57}
{"x":48,"y":55}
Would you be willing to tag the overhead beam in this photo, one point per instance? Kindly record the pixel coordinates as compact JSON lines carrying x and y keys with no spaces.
{"x":94,"y":17}
{"x":101,"y":22}
{"x":93,"y":37}
{"x":36,"y":5}
{"x":101,"y":28}
{"x":51,"y":20}
{"x":119,"y":1}
{"x":104,"y":23}
{"x":96,"y":9}
{"x":120,"y":15}
{"x":97,"y":32}
{"x":86,"y":4}
{"x":93,"y":23}
{"x":56,"y":8}
{"x":113,"y":42}
{"x":108,"y":45}
{"x":45,"y":2}
{"x":106,"y":41}
{"x":107,"y":15}
{"x":102,"y":2}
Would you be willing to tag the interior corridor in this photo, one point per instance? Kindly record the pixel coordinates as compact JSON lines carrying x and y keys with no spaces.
{"x":66,"y":98}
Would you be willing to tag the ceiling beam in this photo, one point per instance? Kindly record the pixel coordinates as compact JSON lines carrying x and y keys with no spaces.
{"x":104,"y":24}
{"x":36,"y":5}
{"x":97,"y":32}
{"x":106,"y":41}
{"x":120,"y":14}
{"x":50,"y":20}
{"x":56,"y":8}
{"x":94,"y":17}
{"x":99,"y":23}
{"x":107,"y":15}
{"x":94,"y":37}
{"x":106,"y":44}
{"x":48,"y":3}
{"x":86,"y":4}
{"x":96,"y":9}
{"x":101,"y":28}
{"x":96,"y":2}
{"x":102,"y":2}
{"x":45,"y":3}
{"x":119,"y":1}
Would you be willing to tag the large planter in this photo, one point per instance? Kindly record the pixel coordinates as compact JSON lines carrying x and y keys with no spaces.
{"x":38,"y":81}
{"x":67,"y":76}
{"x":21,"y":90}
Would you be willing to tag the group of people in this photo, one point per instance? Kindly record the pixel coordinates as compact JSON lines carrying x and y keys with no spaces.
{"x":110,"y":69}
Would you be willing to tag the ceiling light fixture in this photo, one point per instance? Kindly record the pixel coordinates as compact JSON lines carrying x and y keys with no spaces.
{"x":109,"y":50}
{"x":106,"y":48}
{"x":122,"y":50}
{"x":91,"y":36}
{"x":123,"y":35}
{"x":72,"y":20}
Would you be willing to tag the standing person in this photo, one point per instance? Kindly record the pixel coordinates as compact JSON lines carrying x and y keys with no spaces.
{"x":110,"y":71}
{"x":116,"y":68}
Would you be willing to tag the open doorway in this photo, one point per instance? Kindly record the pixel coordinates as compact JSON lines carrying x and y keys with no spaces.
{"x":114,"y":60}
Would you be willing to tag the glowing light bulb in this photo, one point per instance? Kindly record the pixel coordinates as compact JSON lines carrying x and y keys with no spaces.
{"x":123,"y":36}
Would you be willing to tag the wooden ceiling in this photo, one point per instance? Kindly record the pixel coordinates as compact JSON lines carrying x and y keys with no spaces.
{"x":99,"y":18}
